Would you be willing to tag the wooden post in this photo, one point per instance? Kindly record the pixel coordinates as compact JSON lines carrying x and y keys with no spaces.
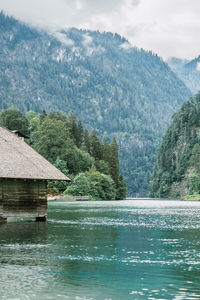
{"x":2,"y":219}
{"x":41,"y":219}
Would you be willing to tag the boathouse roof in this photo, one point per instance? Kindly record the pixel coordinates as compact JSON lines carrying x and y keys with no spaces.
{"x":18,"y":160}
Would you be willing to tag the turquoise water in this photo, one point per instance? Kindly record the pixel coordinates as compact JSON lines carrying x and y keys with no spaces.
{"x":140,"y":249}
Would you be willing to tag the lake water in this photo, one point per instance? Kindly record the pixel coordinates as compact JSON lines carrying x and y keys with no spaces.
{"x":140,"y":249}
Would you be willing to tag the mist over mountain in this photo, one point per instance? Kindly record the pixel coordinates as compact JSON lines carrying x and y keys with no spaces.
{"x":117,"y":89}
{"x":187,"y":71}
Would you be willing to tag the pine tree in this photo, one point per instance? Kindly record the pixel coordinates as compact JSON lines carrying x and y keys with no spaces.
{"x":96,"y":148}
{"x":195,"y":158}
{"x":13,"y":119}
{"x":43,"y":116}
{"x":79,"y":141}
{"x":106,"y":152}
{"x":86,"y":141}
{"x":114,"y":161}
{"x":121,"y":188}
{"x":73,"y":127}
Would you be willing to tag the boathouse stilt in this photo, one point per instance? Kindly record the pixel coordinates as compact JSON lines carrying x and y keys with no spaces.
{"x":40,"y":219}
{"x":3,"y":220}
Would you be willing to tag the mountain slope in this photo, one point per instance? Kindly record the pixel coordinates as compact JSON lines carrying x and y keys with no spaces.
{"x":179,"y":153}
{"x":187,"y":71}
{"x":119,"y":90}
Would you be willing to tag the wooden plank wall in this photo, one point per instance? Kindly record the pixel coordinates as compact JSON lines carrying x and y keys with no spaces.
{"x":1,"y":201}
{"x":23,"y":198}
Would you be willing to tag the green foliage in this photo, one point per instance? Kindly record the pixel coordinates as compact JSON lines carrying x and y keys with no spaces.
{"x":77,"y":160}
{"x":179,"y":153}
{"x":80,"y":129}
{"x":33,"y":124}
{"x":57,"y":115}
{"x":102,"y":167}
{"x":56,"y":187}
{"x":194,"y":184}
{"x":121,"y":189}
{"x":79,"y":187}
{"x":195,"y":158}
{"x":94,"y":184}
{"x":13,"y":119}
{"x":51,"y":139}
{"x":86,"y":141}
{"x":102,"y":186}
{"x":30,"y":115}
{"x":114,"y":161}
{"x":43,"y":116}
{"x":74,"y":134}
{"x":96,"y":147}
{"x":193,"y":197}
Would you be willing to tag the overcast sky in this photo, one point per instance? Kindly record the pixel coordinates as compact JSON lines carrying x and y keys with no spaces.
{"x":167,"y":27}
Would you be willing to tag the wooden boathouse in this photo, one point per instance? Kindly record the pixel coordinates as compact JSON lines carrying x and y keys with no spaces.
{"x":23,"y":178}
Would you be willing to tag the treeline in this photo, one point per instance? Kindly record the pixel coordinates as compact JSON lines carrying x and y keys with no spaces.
{"x":177,"y":172}
{"x":92,"y":165}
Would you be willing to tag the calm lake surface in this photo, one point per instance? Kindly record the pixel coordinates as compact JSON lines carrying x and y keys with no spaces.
{"x":140,"y":249}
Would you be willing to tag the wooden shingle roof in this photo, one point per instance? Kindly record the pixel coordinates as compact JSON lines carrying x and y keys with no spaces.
{"x":19,"y":160}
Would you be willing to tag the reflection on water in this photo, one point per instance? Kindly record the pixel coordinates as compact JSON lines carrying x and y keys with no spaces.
{"x":104,"y":250}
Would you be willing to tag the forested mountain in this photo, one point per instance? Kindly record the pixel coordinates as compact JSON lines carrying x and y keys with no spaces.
{"x":121,"y":91}
{"x":187,"y":71}
{"x":177,"y":171}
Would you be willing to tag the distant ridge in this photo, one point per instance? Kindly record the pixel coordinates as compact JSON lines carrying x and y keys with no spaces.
{"x":187,"y":71}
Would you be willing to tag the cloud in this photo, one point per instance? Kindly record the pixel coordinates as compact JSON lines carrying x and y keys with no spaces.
{"x":63,"y":38}
{"x":87,"y":40}
{"x":126,"y":46}
{"x":167,"y":27}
